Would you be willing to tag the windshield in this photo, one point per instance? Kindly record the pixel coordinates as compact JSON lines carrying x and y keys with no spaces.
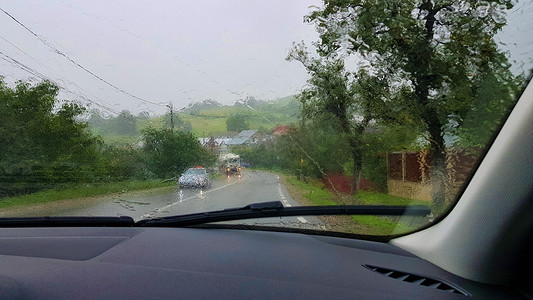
{"x":194,"y":172}
{"x":104,"y":106}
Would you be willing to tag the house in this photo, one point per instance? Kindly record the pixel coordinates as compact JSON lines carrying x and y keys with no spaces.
{"x":215,"y":144}
{"x":245,"y":137}
{"x":281,"y":130}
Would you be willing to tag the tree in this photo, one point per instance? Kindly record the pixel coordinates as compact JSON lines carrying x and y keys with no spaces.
{"x":237,"y":122}
{"x":168,"y":153}
{"x":332,"y":97}
{"x":124,"y":124}
{"x":490,"y":105}
{"x":42,"y":142}
{"x":424,"y":61}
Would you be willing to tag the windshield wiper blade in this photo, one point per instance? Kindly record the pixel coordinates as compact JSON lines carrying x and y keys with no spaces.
{"x":122,"y":221}
{"x":276,"y":209}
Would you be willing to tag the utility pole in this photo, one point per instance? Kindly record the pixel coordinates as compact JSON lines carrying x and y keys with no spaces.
{"x":171,"y":116}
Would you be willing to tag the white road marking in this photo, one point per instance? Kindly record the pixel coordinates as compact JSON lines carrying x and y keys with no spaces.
{"x":303,"y":220}
{"x":164,"y":208}
{"x":201,"y":194}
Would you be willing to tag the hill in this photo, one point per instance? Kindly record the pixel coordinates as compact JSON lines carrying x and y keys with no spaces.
{"x":262,"y":115}
{"x":203,"y":118}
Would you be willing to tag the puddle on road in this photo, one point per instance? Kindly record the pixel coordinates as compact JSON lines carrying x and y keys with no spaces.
{"x":128,"y":204}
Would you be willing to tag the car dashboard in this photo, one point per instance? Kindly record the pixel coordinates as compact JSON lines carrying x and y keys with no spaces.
{"x":130,"y":262}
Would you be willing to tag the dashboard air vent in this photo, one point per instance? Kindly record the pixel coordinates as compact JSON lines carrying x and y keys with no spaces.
{"x":417,"y":279}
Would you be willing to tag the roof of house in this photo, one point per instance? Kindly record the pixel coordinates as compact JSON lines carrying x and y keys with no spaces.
{"x":280,"y":130}
{"x":238,"y":141}
{"x":247,"y":133}
{"x":242,"y":138}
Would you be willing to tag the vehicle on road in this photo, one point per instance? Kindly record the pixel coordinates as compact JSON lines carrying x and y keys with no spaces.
{"x":196,"y":177}
{"x":230,"y":164}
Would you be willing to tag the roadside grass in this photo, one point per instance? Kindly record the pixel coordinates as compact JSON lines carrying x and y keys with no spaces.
{"x":373,"y":198}
{"x":82,"y":191}
{"x":315,"y":192}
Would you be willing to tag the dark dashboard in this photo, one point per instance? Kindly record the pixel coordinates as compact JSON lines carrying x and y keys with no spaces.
{"x":125,"y":263}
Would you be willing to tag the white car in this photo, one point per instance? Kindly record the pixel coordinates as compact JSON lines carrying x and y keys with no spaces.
{"x":195,"y":177}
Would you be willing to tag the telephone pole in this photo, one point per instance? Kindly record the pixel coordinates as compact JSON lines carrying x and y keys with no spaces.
{"x":171,"y":116}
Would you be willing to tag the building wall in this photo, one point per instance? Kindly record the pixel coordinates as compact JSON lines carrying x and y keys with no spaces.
{"x":412,"y":190}
{"x":408,"y":172}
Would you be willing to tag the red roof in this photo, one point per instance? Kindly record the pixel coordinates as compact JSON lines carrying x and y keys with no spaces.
{"x":280,"y":130}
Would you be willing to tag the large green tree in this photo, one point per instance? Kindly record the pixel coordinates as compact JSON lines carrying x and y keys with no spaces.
{"x":237,"y":122}
{"x":426,"y":60}
{"x":332,"y":98}
{"x":168,"y":153}
{"x":42,"y":141}
{"x":123,"y":124}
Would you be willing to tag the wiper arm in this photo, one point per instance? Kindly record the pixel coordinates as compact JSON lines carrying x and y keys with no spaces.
{"x":276,"y":209}
{"x":122,"y":221}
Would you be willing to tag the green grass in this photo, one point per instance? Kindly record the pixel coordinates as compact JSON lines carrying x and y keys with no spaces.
{"x":82,"y":191}
{"x":383,"y":225}
{"x":205,"y":125}
{"x":372,"y":198}
{"x":375,"y":225}
{"x":315,"y":193}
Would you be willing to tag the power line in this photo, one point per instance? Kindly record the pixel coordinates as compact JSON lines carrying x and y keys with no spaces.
{"x":36,"y":73}
{"x":63,"y":79}
{"x":57,"y":51}
{"x":16,"y":47}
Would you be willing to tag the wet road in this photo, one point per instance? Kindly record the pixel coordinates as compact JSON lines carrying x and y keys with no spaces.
{"x":226,"y":192}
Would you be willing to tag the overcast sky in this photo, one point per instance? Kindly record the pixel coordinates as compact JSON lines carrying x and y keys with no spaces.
{"x":170,"y":51}
{"x":161,"y":51}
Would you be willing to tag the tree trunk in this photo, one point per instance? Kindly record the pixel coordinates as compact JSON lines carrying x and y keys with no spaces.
{"x":357,"y":166}
{"x":430,"y":115}
{"x":437,"y":172}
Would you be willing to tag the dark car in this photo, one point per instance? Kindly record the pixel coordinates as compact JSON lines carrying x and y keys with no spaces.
{"x":195,"y":177}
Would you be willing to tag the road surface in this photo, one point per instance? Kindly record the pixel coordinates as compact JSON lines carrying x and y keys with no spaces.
{"x":225,"y":192}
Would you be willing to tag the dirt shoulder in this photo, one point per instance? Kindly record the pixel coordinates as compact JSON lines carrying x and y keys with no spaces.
{"x":60,"y":206}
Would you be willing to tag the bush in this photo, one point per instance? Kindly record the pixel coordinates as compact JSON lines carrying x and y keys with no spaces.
{"x":167,"y":153}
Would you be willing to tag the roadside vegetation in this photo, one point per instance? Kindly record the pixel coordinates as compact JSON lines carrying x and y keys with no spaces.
{"x":47,"y":147}
{"x":353,"y":116}
{"x":78,"y":191}
{"x":314,"y":192}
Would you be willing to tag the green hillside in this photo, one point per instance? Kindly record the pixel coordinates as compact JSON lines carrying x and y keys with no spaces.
{"x":261,"y":116}
{"x":205,"y":118}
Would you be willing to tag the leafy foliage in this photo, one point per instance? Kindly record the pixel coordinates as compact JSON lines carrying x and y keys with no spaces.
{"x":42,"y":145}
{"x":167,"y":153}
{"x":45,"y":145}
{"x":124,"y":124}
{"x":311,"y":151}
{"x":419,"y":63}
{"x":237,"y":122}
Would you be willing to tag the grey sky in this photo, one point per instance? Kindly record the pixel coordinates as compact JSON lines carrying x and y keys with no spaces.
{"x":178,"y":51}
{"x":159,"y":50}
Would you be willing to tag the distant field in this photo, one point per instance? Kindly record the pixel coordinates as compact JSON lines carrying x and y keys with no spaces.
{"x":207,"y":120}
{"x":205,"y":125}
